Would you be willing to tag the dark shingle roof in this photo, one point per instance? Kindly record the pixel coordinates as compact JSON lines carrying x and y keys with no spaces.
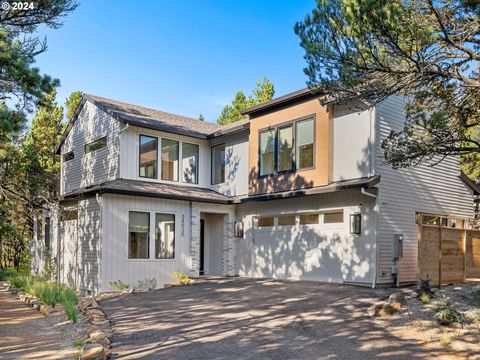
{"x":151,"y":118}
{"x":152,"y":189}
{"x":154,"y":119}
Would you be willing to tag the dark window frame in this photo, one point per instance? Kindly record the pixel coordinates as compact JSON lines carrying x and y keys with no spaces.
{"x":178,"y":159}
{"x":103,"y":138}
{"x":276,"y":128}
{"x":65,"y":155}
{"x":211,"y":163}
{"x":314,"y":144}
{"x":174,"y":235}
{"x":196,"y":164}
{"x":148,"y":235}
{"x":140,"y":156}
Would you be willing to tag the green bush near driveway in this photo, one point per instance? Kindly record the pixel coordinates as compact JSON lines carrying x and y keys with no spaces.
{"x":49,"y":292}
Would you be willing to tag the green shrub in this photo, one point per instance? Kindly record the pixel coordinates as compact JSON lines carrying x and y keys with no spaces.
{"x":70,"y":310}
{"x":147,"y":284}
{"x":424,"y":287}
{"x":118,"y":285}
{"x":445,"y":338}
{"x":476,"y":295}
{"x":446,"y":313}
{"x":424,"y":298}
{"x":180,"y":278}
{"x":49,"y":292}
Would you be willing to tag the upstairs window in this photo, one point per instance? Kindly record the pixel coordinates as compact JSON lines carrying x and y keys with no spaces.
{"x":218,"y":164}
{"x":304,"y":136}
{"x":169,"y":160}
{"x":68,"y":156}
{"x":285,"y":148}
{"x":96,"y":145}
{"x":190,"y":163}
{"x":267,"y":152}
{"x":148,"y":156}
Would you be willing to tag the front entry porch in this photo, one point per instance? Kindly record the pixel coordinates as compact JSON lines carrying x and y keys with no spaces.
{"x":212,"y":243}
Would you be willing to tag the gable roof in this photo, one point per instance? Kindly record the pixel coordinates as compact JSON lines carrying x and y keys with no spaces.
{"x":470,"y":183}
{"x":153,"y":119}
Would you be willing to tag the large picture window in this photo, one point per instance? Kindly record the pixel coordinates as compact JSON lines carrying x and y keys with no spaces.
{"x":218,"y":164}
{"x":164,"y":236}
{"x":304,"y":137}
{"x":285,"y":148}
{"x":148,"y":156}
{"x":190,"y":163}
{"x":169,"y":160}
{"x":138,"y":235}
{"x":267,"y":152}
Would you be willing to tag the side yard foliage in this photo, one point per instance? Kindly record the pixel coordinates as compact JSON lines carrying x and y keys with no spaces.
{"x":49,"y":292}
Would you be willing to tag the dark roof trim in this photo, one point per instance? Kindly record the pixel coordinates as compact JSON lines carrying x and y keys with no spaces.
{"x":470,"y":183}
{"x":70,"y":123}
{"x":366,"y":183}
{"x":282,"y":101}
{"x":230,"y":130}
{"x":101,"y":189}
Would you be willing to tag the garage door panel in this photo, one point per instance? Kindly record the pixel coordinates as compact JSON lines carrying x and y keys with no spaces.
{"x":309,"y":253}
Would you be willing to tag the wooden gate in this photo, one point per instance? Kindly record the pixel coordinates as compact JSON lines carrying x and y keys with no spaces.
{"x":448,"y":255}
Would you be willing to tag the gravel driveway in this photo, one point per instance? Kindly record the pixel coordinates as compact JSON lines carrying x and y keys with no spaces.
{"x":238,"y":318}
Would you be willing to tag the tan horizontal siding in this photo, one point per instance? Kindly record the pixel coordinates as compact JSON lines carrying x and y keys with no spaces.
{"x":319,"y":175}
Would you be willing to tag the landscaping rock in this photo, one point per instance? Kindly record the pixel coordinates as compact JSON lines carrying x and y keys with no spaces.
{"x":92,"y":351}
{"x":397,"y":300}
{"x":168,"y":286}
{"x":382,"y":309}
{"x":95,"y":315}
{"x":45,"y":309}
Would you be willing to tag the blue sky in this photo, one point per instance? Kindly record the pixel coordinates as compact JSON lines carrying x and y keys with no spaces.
{"x":185,"y":57}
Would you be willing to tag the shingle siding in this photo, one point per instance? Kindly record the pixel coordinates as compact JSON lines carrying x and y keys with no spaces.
{"x":95,"y":167}
{"x":89,"y":230}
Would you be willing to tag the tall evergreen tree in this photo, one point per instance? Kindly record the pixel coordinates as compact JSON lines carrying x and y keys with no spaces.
{"x":264,"y":91}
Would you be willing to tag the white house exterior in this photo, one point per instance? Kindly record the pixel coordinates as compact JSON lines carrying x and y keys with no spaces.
{"x":145,"y":193}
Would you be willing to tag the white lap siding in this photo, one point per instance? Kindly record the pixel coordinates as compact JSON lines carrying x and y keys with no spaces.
{"x":323,"y":252}
{"x":403,"y":192}
{"x":115,"y":233}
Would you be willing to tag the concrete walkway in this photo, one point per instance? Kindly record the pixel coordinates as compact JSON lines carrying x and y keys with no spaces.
{"x":253,"y":319}
{"x":26,"y":334}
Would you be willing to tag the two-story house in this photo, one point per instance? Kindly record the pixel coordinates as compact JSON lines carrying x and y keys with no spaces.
{"x":297,"y":190}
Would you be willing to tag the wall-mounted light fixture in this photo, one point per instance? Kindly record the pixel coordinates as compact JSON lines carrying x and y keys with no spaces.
{"x":238,"y":229}
{"x":355,"y":223}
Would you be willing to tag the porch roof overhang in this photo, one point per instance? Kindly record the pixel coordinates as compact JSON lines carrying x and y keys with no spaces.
{"x":151,"y":189}
{"x":192,"y":193}
{"x":352,"y":184}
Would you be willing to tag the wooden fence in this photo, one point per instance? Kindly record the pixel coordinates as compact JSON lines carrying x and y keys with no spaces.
{"x":448,"y":255}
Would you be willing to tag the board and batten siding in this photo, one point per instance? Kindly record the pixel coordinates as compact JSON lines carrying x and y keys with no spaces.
{"x":115,"y":263}
{"x":97,"y":166}
{"x":403,"y":192}
{"x":323,"y":252}
{"x":236,"y":164}
{"x":130,"y":155}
